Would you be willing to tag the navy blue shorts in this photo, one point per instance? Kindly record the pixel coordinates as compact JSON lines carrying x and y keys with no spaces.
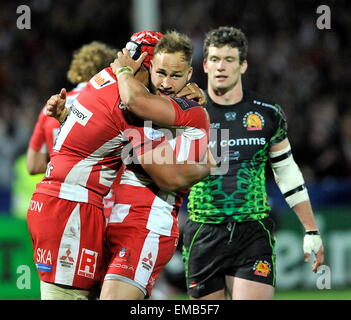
{"x":239,"y":249}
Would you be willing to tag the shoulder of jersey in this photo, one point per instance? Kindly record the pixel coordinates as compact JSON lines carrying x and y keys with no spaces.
{"x":103,"y":79}
{"x":75,"y":91}
{"x":184,"y":103}
{"x":260,"y":101}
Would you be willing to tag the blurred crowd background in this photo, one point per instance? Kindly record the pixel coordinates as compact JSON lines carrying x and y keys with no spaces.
{"x":304,"y":69}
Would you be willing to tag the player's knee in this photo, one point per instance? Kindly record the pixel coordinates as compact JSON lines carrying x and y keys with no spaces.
{"x":51,"y":291}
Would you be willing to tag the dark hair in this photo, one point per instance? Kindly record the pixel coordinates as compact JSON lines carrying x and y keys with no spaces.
{"x":173,"y":42}
{"x":230,"y":36}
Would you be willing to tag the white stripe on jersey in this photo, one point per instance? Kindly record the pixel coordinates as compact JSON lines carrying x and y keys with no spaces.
{"x":160,"y":218}
{"x":80,"y":173}
{"x":44,"y":148}
{"x":106,"y":175}
{"x":73,"y":192}
{"x":188,"y":135}
{"x":134,"y":179}
{"x":69,"y":249}
{"x":147,"y":259}
{"x":119,"y":212}
{"x":183,"y":154}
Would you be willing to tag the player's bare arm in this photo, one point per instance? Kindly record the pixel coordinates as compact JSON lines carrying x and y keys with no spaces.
{"x":290,"y":181}
{"x":36,"y":161}
{"x":171,"y":175}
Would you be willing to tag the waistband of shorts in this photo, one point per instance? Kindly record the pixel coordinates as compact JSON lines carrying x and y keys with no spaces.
{"x":237,"y":218}
{"x":70,"y":192}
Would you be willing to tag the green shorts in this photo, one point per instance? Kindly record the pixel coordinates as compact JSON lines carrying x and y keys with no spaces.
{"x":213,"y":251}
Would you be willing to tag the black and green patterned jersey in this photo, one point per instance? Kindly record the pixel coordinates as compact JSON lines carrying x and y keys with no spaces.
{"x":240,"y":139}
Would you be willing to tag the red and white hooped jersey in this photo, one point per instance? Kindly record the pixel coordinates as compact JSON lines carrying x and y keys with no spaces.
{"x":47,"y":128}
{"x":88,"y":149}
{"x":137,"y":198}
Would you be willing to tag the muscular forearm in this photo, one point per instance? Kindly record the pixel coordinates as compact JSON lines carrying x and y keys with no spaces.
{"x":132,"y":92}
{"x":304,"y":212}
{"x":189,"y":174}
{"x":143,"y":104}
{"x":174,"y":177}
{"x":162,"y":167}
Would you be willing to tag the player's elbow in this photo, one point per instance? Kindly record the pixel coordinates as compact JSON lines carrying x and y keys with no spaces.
{"x":136,"y":103}
{"x":32,"y":169}
{"x":35,"y":167}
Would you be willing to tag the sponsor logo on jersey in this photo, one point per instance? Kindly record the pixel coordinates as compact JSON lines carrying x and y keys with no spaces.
{"x":43,"y":260}
{"x":184,"y":103}
{"x":264,"y":104}
{"x":153,"y":134}
{"x":80,"y":112}
{"x":231,"y":155}
{"x":122,"y":266}
{"x":262,"y":268}
{"x":253,"y":121}
{"x":87,"y":265}
{"x":66,"y":260}
{"x":122,"y":252}
{"x":215,"y":125}
{"x":239,"y":142}
{"x":147,"y":262}
{"x":102,"y":79}
{"x":122,"y":106}
{"x":230,"y":116}
{"x":35,"y":206}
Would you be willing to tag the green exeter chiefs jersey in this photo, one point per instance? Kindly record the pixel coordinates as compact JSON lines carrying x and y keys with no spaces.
{"x":241,"y":136}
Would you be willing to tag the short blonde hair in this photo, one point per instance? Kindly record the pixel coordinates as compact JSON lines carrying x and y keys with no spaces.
{"x":173,"y":42}
{"x":89,"y":60}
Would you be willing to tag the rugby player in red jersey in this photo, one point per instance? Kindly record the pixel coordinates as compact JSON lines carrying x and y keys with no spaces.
{"x":143,"y":227}
{"x":66,"y":221}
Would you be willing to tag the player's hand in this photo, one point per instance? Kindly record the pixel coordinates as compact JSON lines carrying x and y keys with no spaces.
{"x":313,"y":243}
{"x":55,"y":106}
{"x":125,"y":60}
{"x":192,"y":92}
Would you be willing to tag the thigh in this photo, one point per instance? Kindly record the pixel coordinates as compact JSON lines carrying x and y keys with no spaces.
{"x":244,"y":289}
{"x":138,"y":255}
{"x":67,"y":239}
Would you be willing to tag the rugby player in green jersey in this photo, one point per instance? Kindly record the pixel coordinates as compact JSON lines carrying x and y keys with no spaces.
{"x":228,"y":238}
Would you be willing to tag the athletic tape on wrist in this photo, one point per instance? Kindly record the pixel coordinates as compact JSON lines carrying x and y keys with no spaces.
{"x":125,"y":69}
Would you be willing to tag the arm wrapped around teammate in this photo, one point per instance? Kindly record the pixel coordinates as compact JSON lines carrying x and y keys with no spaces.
{"x":288,"y":176}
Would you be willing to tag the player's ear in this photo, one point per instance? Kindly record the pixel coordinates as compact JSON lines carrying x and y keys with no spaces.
{"x":204,"y":64}
{"x":190,"y":73}
{"x":243,"y":67}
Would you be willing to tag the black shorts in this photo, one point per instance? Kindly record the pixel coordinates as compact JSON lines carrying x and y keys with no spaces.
{"x":213,"y":251}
